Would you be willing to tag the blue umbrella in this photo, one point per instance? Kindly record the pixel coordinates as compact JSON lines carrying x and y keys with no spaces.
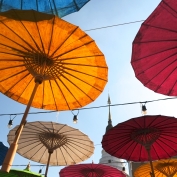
{"x":60,"y":8}
{"x":3,"y":152}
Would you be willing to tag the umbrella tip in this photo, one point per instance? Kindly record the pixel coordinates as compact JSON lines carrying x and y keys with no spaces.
{"x":92,"y":162}
{"x":28,"y":167}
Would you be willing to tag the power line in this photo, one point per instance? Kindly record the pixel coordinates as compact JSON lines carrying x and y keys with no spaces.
{"x":120,"y":24}
{"x":96,"y":107}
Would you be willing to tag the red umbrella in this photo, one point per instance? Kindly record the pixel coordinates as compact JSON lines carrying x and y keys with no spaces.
{"x":90,"y":170}
{"x":142,"y":139}
{"x":154,"y":50}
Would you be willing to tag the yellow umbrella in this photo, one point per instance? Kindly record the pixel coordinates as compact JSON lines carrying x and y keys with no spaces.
{"x":47,"y":63}
{"x":162,"y":168}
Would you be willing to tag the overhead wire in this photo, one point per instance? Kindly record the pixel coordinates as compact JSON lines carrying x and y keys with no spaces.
{"x":120,"y":24}
{"x":95,"y":107}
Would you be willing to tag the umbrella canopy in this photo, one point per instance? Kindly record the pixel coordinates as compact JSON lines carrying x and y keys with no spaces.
{"x":73,"y":69}
{"x":162,"y":168}
{"x":57,"y":7}
{"x":143,"y":138}
{"x":3,"y":152}
{"x":90,"y":170}
{"x":52,"y":143}
{"x":19,"y":173}
{"x":48,"y":63}
{"x":154,"y":50}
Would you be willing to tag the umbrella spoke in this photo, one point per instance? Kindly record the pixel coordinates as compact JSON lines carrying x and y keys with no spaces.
{"x":67,"y":37}
{"x":76,"y":48}
{"x":76,"y":57}
{"x":13,"y":75}
{"x":82,"y":73}
{"x":53,"y":97}
{"x":77,"y":87}
{"x":18,"y":35}
{"x":10,"y":67}
{"x":69,"y":91}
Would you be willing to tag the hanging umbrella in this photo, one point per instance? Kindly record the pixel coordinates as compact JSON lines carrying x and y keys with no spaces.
{"x":3,"y":152}
{"x":162,"y":168}
{"x":90,"y":170}
{"x":48,"y":63}
{"x":52,"y":143}
{"x":142,"y":139}
{"x":57,"y":7}
{"x":154,"y":50}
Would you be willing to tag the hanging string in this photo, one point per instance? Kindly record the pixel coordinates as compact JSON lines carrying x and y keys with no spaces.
{"x":96,"y":107}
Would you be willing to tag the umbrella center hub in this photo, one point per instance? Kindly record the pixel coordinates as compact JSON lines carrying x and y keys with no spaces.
{"x":92,"y":172}
{"x":43,"y":65}
{"x":146,"y":136}
{"x":167,"y":168}
{"x":52,"y":140}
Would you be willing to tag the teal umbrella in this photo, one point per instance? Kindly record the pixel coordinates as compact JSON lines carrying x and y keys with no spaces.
{"x":59,"y":8}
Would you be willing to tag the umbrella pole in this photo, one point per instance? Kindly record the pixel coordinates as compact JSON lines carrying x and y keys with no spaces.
{"x":150,"y":160}
{"x":13,"y":147}
{"x":47,"y":167}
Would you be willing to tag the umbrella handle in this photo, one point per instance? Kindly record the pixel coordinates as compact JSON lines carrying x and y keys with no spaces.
{"x":13,"y":147}
{"x":47,"y":167}
{"x":150,"y":160}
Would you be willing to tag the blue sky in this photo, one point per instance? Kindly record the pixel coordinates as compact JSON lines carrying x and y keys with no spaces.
{"x":123,"y":87}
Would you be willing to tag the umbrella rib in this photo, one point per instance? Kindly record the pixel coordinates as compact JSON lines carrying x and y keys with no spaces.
{"x":69,"y":92}
{"x":13,"y":75}
{"x":77,"y":88}
{"x":64,"y":41}
{"x":72,"y":152}
{"x":62,"y":93}
{"x":55,"y":8}
{"x":12,"y":86}
{"x":160,"y":73}
{"x":78,"y":147}
{"x":64,"y":156}
{"x":51,"y":36}
{"x":53,"y":95}
{"x":29,"y":33}
{"x":13,"y":42}
{"x":38,"y":128}
{"x":43,"y":90}
{"x":18,"y":36}
{"x":83,"y":73}
{"x":157,"y":27}
{"x":170,"y":7}
{"x":2,"y":60}
{"x":39,"y":37}
{"x":85,"y":44}
{"x":84,"y":65}
{"x":37,"y":8}
{"x":29,"y":143}
{"x":24,"y":89}
{"x":157,"y":53}
{"x":10,"y":67}
{"x":79,"y":57}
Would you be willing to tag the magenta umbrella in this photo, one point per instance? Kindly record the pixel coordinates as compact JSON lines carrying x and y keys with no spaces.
{"x":143,"y":138}
{"x":154,"y":50}
{"x":91,"y":170}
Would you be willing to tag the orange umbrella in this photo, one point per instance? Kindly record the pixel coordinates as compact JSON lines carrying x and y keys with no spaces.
{"x":47,"y":63}
{"x":162,"y":168}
